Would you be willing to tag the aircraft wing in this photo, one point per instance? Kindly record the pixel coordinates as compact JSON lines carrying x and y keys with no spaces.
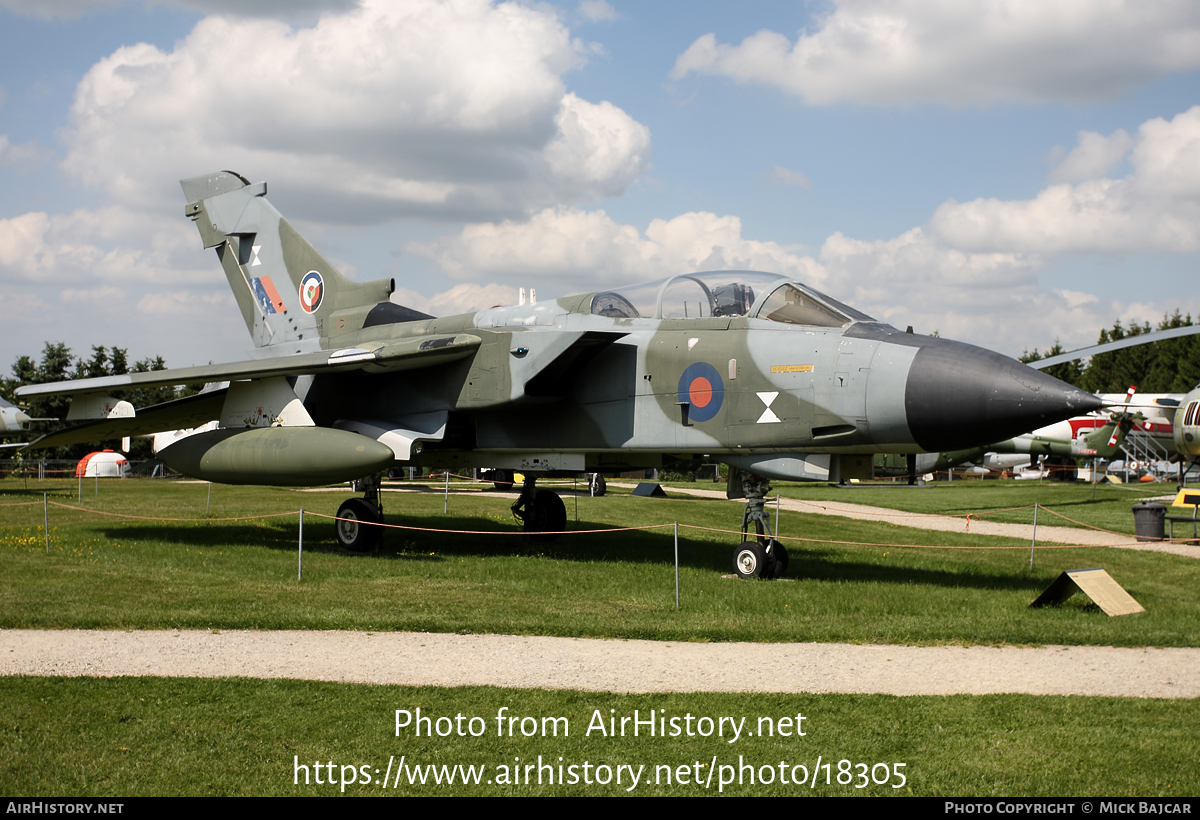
{"x":179,"y":414}
{"x":405,"y":354}
{"x":102,"y":417}
{"x":1119,"y":344}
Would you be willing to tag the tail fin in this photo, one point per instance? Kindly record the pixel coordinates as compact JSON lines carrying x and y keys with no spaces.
{"x":1106,"y":441}
{"x":289,"y":294}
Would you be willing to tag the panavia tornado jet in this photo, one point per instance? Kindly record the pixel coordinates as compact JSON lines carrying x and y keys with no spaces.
{"x":755,"y":370}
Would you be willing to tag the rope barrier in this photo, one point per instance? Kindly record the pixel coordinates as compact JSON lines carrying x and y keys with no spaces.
{"x":489,"y":532}
{"x":646,"y":527}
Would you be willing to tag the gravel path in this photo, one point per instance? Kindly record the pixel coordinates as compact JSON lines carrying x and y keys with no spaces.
{"x":420,"y":659}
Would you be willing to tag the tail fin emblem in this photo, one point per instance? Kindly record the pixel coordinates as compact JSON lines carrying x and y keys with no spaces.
{"x":312,"y":289}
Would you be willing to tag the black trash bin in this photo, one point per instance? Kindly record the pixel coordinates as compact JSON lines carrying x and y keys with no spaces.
{"x":1149,"y":520}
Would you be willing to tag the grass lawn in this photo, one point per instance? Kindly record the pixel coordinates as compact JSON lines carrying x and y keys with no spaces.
{"x":153,"y":736}
{"x":109,"y":572}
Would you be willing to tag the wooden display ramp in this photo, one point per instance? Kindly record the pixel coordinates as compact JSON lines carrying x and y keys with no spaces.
{"x":1097,"y":585}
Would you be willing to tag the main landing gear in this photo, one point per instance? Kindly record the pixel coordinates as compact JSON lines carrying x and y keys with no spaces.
{"x":358,"y":521}
{"x":761,"y":556}
{"x":542,"y":511}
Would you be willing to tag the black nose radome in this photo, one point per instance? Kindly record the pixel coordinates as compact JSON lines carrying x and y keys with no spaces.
{"x":961,"y":396}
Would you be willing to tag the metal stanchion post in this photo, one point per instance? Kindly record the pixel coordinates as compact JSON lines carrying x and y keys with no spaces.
{"x":208,"y":504}
{"x":677,"y":565}
{"x":446,"y":506}
{"x":776,"y":515}
{"x":1033,"y":542}
{"x":46,"y":520}
{"x":300,"y":549}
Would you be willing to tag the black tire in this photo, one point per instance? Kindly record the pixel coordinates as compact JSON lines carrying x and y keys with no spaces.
{"x":750,"y":560}
{"x":503,"y":480}
{"x":780,"y":554}
{"x":354,"y":528}
{"x":548,"y":516}
{"x":597,"y":486}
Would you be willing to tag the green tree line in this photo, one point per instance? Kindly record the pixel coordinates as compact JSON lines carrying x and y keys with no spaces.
{"x":57,"y":364}
{"x":1169,"y":366}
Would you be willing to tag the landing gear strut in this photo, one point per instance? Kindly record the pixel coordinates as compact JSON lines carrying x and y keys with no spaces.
{"x":358,"y":518}
{"x":542,"y":511}
{"x":761,"y":556}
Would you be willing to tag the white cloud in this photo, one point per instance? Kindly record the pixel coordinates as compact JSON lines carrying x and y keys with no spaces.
{"x":173,"y":303}
{"x":68,"y":9}
{"x":1157,"y":207}
{"x":983,"y":298}
{"x":434,"y":109}
{"x":26,"y":308}
{"x":597,"y":11}
{"x":786,"y":176}
{"x":570,"y":250}
{"x":1093,"y":156}
{"x":51,"y":9}
{"x":971,"y":272}
{"x":108,"y":245}
{"x":26,"y":156}
{"x":1076,"y":298}
{"x":105,"y":296}
{"x":988,"y":299}
{"x":599,"y":150}
{"x":462,"y":298}
{"x":883,"y":52}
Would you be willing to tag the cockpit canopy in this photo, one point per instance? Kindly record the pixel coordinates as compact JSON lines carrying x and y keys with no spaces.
{"x":711,"y":294}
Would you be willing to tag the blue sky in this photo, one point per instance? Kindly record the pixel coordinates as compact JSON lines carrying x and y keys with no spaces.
{"x":1007,"y":173}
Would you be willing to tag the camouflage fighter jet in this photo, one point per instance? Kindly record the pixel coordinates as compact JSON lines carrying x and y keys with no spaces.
{"x":755,"y":370}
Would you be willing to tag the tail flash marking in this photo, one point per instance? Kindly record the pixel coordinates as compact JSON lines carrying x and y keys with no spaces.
{"x":267,"y":295}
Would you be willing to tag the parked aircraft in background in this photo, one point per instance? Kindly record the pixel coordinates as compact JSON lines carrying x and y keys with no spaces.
{"x":13,"y":419}
{"x":1185,"y":425}
{"x":756,"y":370}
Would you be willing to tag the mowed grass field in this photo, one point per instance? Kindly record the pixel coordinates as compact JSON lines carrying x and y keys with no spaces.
{"x":144,"y":736}
{"x":104,"y":571}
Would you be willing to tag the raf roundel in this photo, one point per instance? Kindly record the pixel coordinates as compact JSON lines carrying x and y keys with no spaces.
{"x":312,"y":290}
{"x":701,"y":388}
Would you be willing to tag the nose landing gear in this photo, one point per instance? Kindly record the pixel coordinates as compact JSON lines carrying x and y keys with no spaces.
{"x":760,"y":556}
